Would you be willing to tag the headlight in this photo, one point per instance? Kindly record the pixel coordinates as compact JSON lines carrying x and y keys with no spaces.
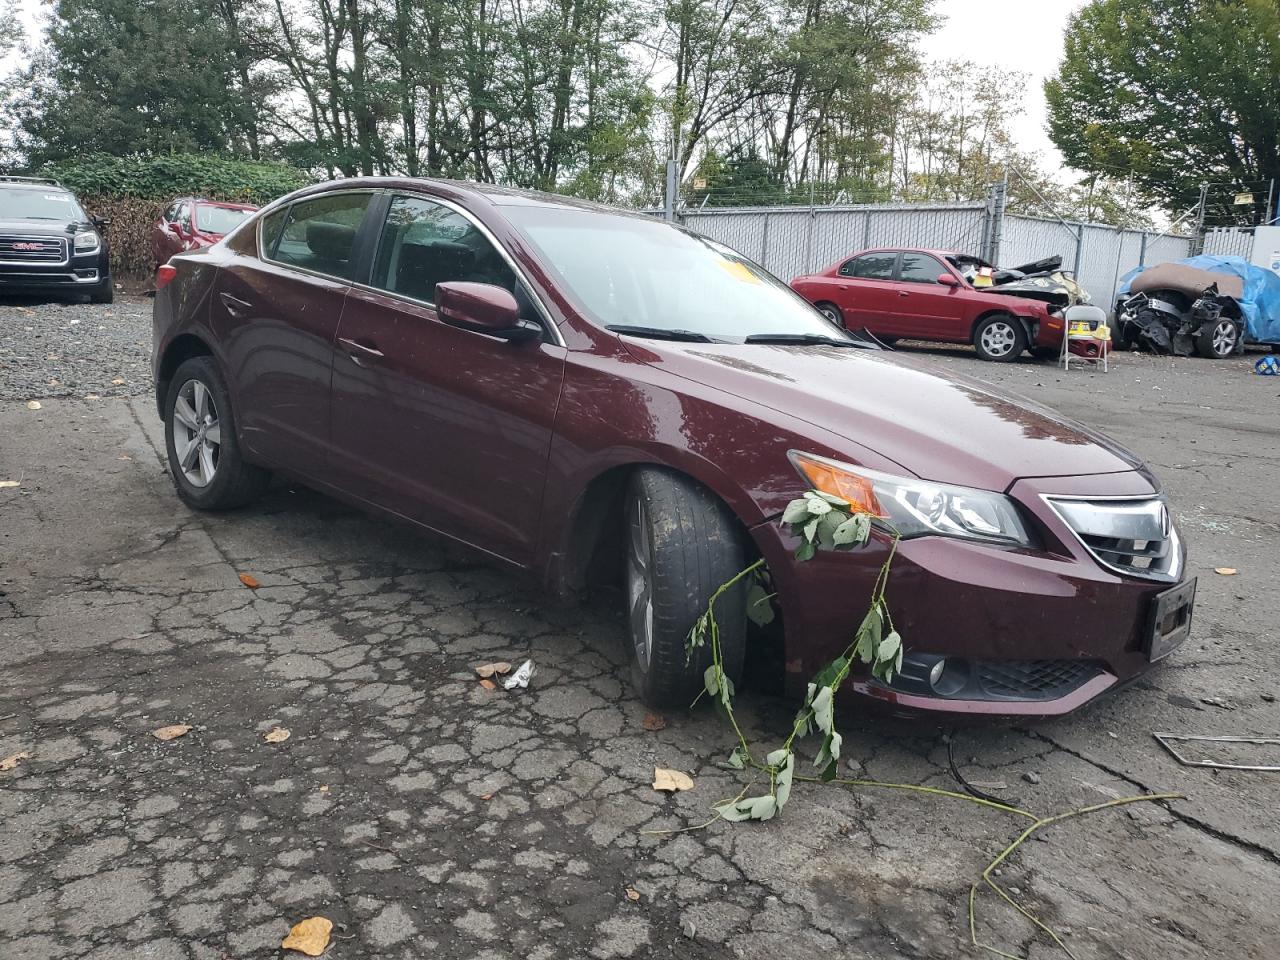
{"x":917,"y":508}
{"x":86,"y":242}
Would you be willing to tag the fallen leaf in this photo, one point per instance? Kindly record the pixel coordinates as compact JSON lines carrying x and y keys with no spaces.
{"x":671,"y":780}
{"x":633,"y":895}
{"x":33,"y":404}
{"x":488,"y":684}
{"x":654,"y":722}
{"x":1225,"y":571}
{"x":8,"y":484}
{"x":9,"y":762}
{"x":92,"y":396}
{"x":250,"y":581}
{"x":325,"y":788}
{"x":276,"y":735}
{"x":486,"y":796}
{"x":124,"y":456}
{"x":118,"y":382}
{"x":172,"y":732}
{"x":487,"y":670}
{"x":311,"y":936}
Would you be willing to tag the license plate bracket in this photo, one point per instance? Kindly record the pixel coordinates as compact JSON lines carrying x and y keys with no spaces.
{"x":1169,"y":622}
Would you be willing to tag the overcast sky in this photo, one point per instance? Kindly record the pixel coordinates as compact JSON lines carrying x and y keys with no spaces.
{"x":1024,"y":35}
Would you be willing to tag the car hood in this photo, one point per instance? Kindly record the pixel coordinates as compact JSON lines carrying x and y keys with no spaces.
{"x":41,"y":228}
{"x":938,"y":426}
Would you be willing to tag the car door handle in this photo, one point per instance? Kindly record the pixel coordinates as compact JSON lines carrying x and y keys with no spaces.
{"x":904,"y":293}
{"x":236,"y":307}
{"x":360,"y":353}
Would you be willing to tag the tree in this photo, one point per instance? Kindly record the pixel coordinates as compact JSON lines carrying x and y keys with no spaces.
{"x":1171,"y":92}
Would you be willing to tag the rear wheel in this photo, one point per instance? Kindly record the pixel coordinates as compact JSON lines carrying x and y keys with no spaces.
{"x":200,"y":435}
{"x":1000,"y":338}
{"x":1218,"y":339}
{"x":831,"y":312}
{"x":682,"y":545}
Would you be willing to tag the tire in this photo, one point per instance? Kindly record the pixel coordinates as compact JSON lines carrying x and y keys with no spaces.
{"x":831,"y":312}
{"x":1000,"y":338}
{"x":1219,"y":339}
{"x":215,"y":477}
{"x":681,"y":545}
{"x":104,"y":292}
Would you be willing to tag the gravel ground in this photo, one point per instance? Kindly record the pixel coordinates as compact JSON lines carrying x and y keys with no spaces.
{"x":74,"y":349}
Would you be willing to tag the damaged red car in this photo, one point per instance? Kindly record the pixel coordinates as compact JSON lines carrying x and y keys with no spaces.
{"x":949,"y":297}
{"x":586,"y":394}
{"x":191,"y":223}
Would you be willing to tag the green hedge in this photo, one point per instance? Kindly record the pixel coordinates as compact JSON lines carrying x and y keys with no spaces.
{"x":178,"y":175}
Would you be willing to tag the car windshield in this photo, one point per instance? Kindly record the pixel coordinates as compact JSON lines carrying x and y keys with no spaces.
{"x":38,"y":204}
{"x":219,"y":219}
{"x":658,"y":280}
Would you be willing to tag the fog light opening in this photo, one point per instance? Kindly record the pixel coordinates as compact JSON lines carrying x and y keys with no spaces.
{"x":949,"y":676}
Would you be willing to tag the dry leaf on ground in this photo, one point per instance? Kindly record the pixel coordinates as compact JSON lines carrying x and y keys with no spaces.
{"x":11,"y":761}
{"x":654,"y":722}
{"x":633,"y":895}
{"x":250,"y":581}
{"x":488,"y":685}
{"x":1225,"y":571}
{"x":276,"y":735}
{"x":486,"y":796}
{"x":671,"y":780}
{"x":7,"y":484}
{"x":487,"y":670}
{"x":172,"y":732}
{"x":118,"y":382}
{"x":33,"y":404}
{"x":310,"y":936}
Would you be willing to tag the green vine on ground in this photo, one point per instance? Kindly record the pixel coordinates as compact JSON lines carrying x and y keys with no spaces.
{"x":821,"y":520}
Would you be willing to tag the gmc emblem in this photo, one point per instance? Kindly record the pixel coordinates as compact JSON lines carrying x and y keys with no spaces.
{"x":21,"y":245}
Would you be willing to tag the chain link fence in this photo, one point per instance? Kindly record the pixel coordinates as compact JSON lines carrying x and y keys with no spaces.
{"x":1229,"y":242}
{"x":788,"y":241}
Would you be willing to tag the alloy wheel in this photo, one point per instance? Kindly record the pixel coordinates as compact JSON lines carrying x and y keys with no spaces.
{"x":832,"y":314}
{"x":197,"y":435}
{"x":640,"y":582}
{"x":998,"y":338}
{"x":1224,"y":338}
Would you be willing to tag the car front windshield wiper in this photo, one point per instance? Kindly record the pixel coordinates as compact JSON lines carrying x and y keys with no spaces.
{"x":806,"y":339}
{"x":660,"y":333}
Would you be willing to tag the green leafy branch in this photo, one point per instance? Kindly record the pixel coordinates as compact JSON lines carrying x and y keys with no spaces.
{"x":820,"y":520}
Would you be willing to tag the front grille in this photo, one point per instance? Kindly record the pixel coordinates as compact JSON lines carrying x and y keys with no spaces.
{"x":33,"y":250}
{"x":1131,"y":536}
{"x":1032,"y":679}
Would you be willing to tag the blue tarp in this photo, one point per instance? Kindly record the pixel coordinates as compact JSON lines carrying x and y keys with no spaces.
{"x":1260,"y":304}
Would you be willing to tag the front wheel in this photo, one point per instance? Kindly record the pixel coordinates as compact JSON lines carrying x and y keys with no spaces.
{"x":1218,"y":339}
{"x":832,"y":313}
{"x":682,"y":545}
{"x":104,"y":292}
{"x":200,"y":435}
{"x":1000,"y":338}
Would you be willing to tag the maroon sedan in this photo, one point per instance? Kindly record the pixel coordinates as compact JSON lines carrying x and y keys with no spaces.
{"x":924,"y":295}
{"x":191,"y":223}
{"x":580,"y":392}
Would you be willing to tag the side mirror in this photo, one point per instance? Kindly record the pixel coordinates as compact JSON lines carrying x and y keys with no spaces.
{"x":947,"y":280}
{"x":484,"y":308}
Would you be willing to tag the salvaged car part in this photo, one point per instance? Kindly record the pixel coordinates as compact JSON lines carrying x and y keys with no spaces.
{"x":1180,"y":309}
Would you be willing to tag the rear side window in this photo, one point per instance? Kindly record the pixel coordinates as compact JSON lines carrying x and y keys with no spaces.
{"x":920,"y":268}
{"x":270,"y":228}
{"x":870,"y":266}
{"x":320,"y":234}
{"x":425,"y":243}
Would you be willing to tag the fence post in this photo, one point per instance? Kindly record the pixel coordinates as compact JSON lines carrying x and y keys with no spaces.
{"x":1197,"y":243}
{"x":764,"y":244}
{"x":669,"y":211}
{"x":1075,"y":266}
{"x":1142,"y":251}
{"x":999,"y":193}
{"x":866,"y":230}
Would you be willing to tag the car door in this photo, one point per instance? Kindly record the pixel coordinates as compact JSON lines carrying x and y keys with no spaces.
{"x":276,"y":315}
{"x":447,"y":426}
{"x":866,"y":292}
{"x":931,"y":310}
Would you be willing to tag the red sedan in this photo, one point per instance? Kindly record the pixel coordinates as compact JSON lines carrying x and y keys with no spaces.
{"x":591,"y":395}
{"x":923,"y":295}
{"x":191,"y":223}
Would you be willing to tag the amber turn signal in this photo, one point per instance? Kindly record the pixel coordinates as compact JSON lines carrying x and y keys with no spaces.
{"x":825,"y":477}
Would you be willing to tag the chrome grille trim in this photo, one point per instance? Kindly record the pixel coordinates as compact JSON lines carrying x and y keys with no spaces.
{"x":1134,"y":536}
{"x":53,"y":252}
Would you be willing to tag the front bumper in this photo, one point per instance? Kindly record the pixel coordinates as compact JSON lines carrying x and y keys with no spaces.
{"x":1053,"y":616}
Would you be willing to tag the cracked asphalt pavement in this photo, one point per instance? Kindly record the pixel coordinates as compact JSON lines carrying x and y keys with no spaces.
{"x":428,"y":817}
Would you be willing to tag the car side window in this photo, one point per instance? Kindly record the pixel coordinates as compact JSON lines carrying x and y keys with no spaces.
{"x":171,"y":214}
{"x":320,"y":234}
{"x":425,"y":243}
{"x":270,"y":228}
{"x":184,"y":217}
{"x":870,"y":266}
{"x":920,"y":268}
